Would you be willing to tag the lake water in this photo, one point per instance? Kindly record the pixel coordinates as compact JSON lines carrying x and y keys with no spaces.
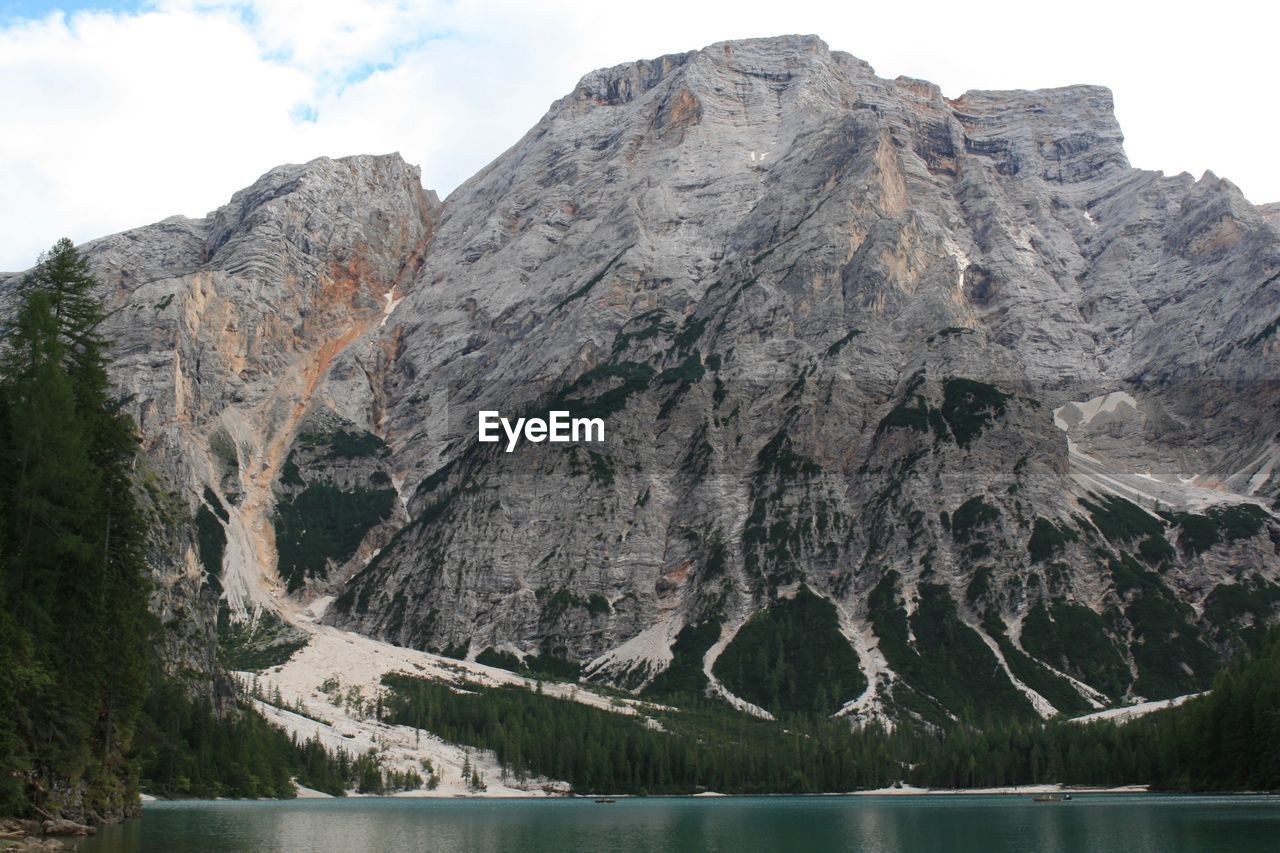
{"x":1124,"y":823}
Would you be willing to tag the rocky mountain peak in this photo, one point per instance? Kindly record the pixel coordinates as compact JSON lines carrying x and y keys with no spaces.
{"x":1271,"y":213}
{"x":1067,"y":135}
{"x":779,"y":59}
{"x":814,"y":304}
{"x":228,"y":334}
{"x":930,"y":368}
{"x":321,"y":203}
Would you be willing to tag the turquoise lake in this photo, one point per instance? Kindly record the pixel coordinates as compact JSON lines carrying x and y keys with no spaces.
{"x":1124,"y":823}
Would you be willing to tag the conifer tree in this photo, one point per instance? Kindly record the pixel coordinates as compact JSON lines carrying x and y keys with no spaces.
{"x":73,"y":575}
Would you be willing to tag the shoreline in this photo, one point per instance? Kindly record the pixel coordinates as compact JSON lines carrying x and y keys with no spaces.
{"x":905,"y":791}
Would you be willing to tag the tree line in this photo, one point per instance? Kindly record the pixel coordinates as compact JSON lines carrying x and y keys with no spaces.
{"x":1227,"y":740}
{"x":185,"y":749}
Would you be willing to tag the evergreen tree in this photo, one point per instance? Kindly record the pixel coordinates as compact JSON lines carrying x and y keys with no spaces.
{"x":1229,"y":740}
{"x":73,"y":575}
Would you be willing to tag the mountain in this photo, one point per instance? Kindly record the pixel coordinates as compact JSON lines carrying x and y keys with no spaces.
{"x":233,"y":338}
{"x":914,"y":407}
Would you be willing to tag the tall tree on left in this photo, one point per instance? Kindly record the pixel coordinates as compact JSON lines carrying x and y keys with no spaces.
{"x":73,"y":579}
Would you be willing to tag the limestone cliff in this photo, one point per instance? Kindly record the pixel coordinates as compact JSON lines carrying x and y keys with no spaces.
{"x":953,"y":366}
{"x":234,"y":346}
{"x":836,"y":324}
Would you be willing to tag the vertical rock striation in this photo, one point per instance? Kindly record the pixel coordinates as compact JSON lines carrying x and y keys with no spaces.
{"x":953,"y":366}
{"x":824,"y":314}
{"x":235,"y":335}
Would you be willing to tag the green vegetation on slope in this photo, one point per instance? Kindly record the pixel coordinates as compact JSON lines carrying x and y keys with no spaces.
{"x":1171,"y":657}
{"x":324,"y":523}
{"x":948,"y":660}
{"x":547,"y":665}
{"x":774,"y":532}
{"x":211,"y":537}
{"x":185,"y":749}
{"x":591,"y":282}
{"x":970,"y":517}
{"x":85,"y":714}
{"x":1120,"y":520}
{"x":1199,"y":533}
{"x":969,"y":406}
{"x":633,"y":377}
{"x":684,"y":676}
{"x":1034,"y":674}
{"x":261,"y":643}
{"x":211,"y":542}
{"x":344,"y":444}
{"x":792,"y":659}
{"x":1226,"y":741}
{"x":914,"y":415}
{"x":1047,"y":539}
{"x":709,"y":747}
{"x":1075,"y":640}
{"x":1242,"y":610}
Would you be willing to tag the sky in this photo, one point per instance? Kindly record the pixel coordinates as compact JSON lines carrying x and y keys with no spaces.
{"x":114,"y":115}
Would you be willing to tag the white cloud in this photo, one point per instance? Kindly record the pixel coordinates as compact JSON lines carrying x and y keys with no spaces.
{"x":114,"y":120}
{"x":326,"y":40}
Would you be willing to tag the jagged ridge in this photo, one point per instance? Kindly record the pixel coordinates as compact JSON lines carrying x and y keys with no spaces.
{"x":849,"y":336}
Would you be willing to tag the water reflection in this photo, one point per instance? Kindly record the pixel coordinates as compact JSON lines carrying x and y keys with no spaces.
{"x":1123,"y":824}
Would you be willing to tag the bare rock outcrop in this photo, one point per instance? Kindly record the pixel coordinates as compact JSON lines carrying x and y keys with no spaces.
{"x":952,"y":365}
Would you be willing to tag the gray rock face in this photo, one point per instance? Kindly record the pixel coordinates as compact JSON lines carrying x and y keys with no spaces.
{"x":230,"y":334}
{"x":821,"y":312}
{"x":952,"y":365}
{"x":1271,"y":213}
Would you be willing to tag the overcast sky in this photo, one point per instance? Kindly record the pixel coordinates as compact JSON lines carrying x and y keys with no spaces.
{"x":119,"y":114}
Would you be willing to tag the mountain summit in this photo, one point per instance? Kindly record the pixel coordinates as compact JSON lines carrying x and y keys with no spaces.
{"x":915,"y":406}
